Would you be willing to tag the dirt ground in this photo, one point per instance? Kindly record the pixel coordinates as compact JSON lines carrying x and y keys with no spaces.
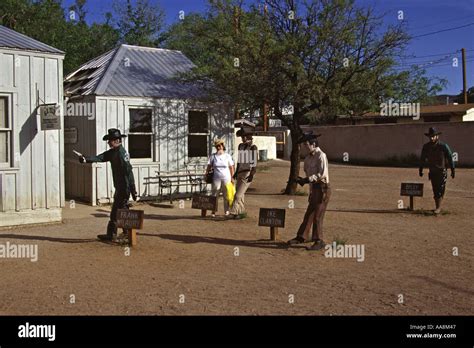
{"x":179,"y":253}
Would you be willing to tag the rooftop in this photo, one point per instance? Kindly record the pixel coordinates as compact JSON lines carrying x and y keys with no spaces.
{"x":12,"y":39}
{"x":134,"y":71}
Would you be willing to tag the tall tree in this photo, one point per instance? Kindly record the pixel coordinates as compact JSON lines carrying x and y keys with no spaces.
{"x":139,"y":24}
{"x":323,"y":56}
{"x":48,"y":22}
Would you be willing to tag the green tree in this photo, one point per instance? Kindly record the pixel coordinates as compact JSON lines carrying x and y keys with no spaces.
{"x":48,"y":22}
{"x":139,"y":24}
{"x":320,"y":56}
{"x":470,"y":96}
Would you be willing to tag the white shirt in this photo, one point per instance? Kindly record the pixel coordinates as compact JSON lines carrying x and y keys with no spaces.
{"x":316,"y":167}
{"x":221,"y":164}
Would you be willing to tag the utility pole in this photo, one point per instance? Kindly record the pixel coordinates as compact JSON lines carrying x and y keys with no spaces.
{"x":464,"y":82}
{"x":265,"y":117}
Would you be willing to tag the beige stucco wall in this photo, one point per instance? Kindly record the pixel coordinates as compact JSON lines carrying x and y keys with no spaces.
{"x":378,"y":142}
{"x":262,"y":143}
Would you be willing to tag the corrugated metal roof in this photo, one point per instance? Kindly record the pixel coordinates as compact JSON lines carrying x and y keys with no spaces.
{"x":84,"y":80}
{"x":12,"y":39}
{"x":134,"y":71}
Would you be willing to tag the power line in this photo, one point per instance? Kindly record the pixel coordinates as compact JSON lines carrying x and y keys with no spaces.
{"x":431,"y":61}
{"x":443,"y":30}
{"x":439,"y":54}
{"x":446,"y":21}
{"x":430,"y":66}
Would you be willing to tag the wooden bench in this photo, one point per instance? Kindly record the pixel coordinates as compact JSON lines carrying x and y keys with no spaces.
{"x":170,"y":182}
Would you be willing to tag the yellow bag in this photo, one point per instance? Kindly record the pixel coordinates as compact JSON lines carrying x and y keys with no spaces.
{"x":230,"y":190}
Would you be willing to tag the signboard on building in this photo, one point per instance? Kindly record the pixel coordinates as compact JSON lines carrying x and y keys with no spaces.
{"x":274,"y":122}
{"x":70,"y":135}
{"x":50,"y":117}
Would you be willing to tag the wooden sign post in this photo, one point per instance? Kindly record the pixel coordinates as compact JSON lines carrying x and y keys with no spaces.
{"x":412,"y":190}
{"x":131,"y":220}
{"x":204,"y":203}
{"x":272,"y":218}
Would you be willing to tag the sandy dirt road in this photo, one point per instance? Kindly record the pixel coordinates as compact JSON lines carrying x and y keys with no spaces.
{"x":179,"y":253}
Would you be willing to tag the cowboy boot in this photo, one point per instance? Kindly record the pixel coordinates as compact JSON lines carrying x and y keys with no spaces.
{"x":111,"y":232}
{"x":438,"y":205}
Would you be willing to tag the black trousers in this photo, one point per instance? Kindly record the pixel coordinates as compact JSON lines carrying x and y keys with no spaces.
{"x":438,"y":179}
{"x":121,"y":198}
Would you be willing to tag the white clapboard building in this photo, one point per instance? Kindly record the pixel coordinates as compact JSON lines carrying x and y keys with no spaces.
{"x":169,"y":125}
{"x":31,"y":130}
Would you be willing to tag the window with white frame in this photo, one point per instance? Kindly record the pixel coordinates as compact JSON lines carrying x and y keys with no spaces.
{"x":140,"y":136}
{"x":5,"y":132}
{"x":198,"y":133}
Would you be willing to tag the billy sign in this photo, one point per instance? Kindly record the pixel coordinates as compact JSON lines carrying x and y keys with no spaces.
{"x":412,"y":190}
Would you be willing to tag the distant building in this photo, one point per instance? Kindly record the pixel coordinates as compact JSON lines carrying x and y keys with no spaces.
{"x":169,"y":125}
{"x":31,"y":130}
{"x":429,"y":113}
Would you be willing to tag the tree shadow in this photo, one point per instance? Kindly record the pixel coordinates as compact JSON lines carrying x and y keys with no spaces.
{"x":99,"y":215}
{"x":188,"y":239}
{"x":370,"y":211}
{"x":444,"y":285}
{"x":181,"y":217}
{"x":49,"y":239}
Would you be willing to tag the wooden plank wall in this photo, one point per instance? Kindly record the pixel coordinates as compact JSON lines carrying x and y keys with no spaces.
{"x":35,"y":179}
{"x":170,"y":146}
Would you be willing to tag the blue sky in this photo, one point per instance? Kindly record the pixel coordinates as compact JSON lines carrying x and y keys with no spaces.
{"x":421,"y":17}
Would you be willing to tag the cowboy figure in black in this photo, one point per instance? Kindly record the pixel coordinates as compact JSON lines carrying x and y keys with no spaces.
{"x":122,"y":174}
{"x":437,"y":156}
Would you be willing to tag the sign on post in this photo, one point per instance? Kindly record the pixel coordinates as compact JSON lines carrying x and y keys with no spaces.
{"x":272,"y":218}
{"x":131,"y":220}
{"x":204,"y":203}
{"x":412,"y":190}
{"x":50,"y":117}
{"x":70,"y":135}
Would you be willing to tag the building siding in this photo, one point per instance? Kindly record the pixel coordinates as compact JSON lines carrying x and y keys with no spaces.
{"x":35,"y":179}
{"x":170,"y":128}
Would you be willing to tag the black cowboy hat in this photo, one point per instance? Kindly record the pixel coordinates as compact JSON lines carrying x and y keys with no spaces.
{"x":308,"y":137}
{"x":113,"y":133}
{"x":432,"y":132}
{"x":244,"y":131}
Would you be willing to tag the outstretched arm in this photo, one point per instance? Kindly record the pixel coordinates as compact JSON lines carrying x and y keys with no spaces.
{"x":91,"y":159}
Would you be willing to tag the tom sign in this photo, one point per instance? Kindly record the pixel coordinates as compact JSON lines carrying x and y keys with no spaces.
{"x":204,"y":202}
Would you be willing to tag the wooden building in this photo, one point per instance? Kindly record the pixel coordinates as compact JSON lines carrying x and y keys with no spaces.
{"x":169,"y":125}
{"x":31,"y":130}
